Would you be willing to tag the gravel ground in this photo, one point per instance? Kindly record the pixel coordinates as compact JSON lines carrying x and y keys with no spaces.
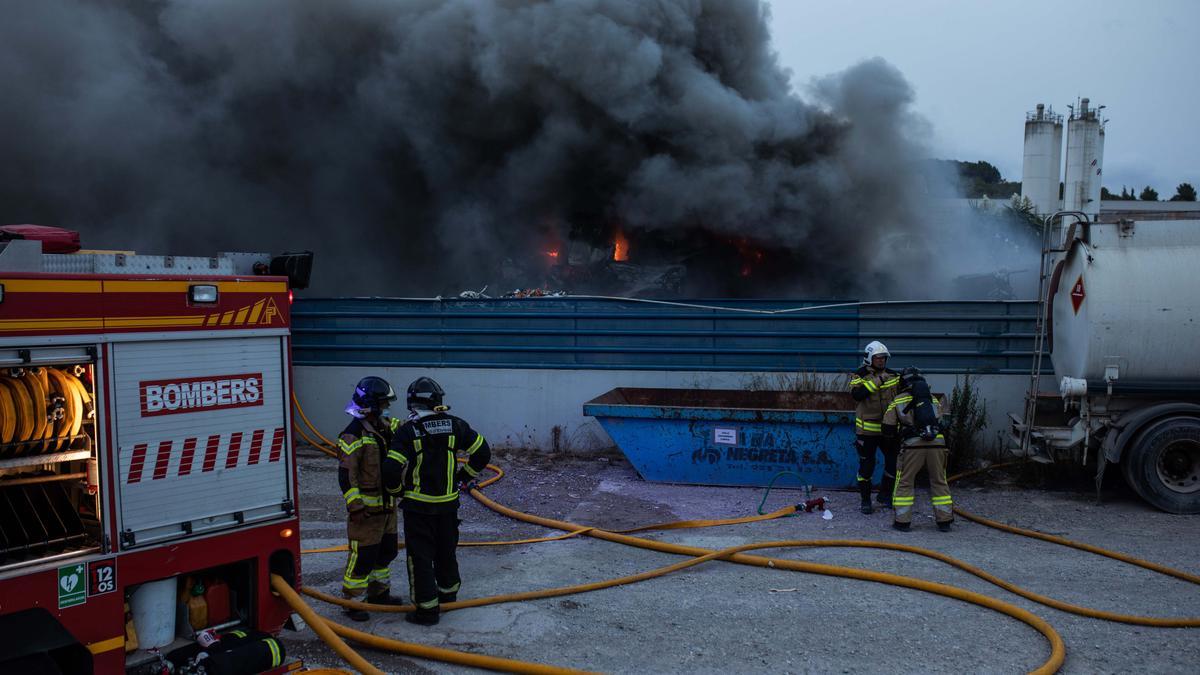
{"x":722,"y":617}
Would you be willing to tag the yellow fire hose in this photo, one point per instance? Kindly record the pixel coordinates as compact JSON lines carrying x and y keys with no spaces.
{"x":332,"y":633}
{"x":734,"y":554}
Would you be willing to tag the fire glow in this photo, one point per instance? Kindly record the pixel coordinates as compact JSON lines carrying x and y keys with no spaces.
{"x":620,"y":247}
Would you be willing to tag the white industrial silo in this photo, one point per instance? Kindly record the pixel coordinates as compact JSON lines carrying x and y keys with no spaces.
{"x":1042,"y":168}
{"x":1085,"y":160}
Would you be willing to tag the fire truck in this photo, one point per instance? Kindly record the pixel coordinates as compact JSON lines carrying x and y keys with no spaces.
{"x":145,"y":443}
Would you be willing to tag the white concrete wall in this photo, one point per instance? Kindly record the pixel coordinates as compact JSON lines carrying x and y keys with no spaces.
{"x":521,"y":408}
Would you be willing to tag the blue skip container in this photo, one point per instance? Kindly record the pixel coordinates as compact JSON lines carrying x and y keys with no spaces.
{"x":733,"y":437}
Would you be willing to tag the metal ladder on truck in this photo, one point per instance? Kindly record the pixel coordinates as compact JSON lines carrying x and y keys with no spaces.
{"x":1027,"y":425}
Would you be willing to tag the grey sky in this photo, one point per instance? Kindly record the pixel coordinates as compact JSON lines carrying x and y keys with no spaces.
{"x":977,"y":67}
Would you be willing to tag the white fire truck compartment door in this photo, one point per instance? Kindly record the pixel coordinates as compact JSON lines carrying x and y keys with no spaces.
{"x":202,"y":436}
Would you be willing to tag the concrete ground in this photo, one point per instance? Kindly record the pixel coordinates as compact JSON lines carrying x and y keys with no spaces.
{"x":722,"y":617}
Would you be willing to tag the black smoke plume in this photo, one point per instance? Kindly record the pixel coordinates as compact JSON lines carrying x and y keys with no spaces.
{"x":427,"y":146}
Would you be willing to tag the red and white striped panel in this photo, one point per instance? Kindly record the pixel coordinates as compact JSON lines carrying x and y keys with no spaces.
{"x":153,"y":461}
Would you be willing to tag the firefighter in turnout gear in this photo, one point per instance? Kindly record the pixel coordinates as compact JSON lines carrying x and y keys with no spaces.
{"x":372,"y":513}
{"x":918,"y":414}
{"x":422,"y":470}
{"x":873,"y":386}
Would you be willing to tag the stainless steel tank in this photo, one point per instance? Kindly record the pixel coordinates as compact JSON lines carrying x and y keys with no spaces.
{"x":1126,"y":305}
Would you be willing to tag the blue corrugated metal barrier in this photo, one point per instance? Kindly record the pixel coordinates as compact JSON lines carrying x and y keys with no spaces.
{"x":720,"y":335}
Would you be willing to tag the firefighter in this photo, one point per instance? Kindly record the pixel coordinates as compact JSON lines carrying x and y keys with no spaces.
{"x":918,"y":414}
{"x":372,"y":513}
{"x":421,"y":470}
{"x":873,"y":386}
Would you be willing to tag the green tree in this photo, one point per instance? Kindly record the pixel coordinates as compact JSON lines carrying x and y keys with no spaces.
{"x":1126,"y":195}
{"x":1184,"y":192}
{"x":1149,"y":194}
{"x":1106,"y":195}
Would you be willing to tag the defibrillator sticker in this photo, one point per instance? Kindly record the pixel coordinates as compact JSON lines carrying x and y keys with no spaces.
{"x":72,"y":589}
{"x":724,"y":436}
{"x":1078,"y":294}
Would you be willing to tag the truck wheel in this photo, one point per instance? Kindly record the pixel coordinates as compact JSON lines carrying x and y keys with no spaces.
{"x":1163,"y":465}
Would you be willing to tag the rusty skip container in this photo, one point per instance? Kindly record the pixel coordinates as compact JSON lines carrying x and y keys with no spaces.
{"x":733,"y":437}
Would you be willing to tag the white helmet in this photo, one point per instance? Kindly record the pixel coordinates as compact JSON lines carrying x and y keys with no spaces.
{"x":874,"y":349}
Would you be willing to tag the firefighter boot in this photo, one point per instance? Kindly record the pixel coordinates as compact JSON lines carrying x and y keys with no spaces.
{"x":443,"y":598}
{"x":385,"y":599}
{"x":886,"y":488}
{"x":423,"y":617}
{"x":864,"y":491}
{"x":944,"y":525}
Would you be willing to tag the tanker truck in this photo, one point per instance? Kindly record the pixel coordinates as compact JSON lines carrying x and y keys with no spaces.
{"x":1121,"y":320}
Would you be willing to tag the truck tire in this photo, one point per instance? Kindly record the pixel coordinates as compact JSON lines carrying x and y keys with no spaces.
{"x":1163,"y":465}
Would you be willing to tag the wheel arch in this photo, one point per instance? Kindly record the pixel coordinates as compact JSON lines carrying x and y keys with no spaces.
{"x":1131,"y":425}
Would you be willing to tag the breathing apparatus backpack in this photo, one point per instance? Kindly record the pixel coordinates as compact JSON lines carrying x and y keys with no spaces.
{"x":926,"y":423}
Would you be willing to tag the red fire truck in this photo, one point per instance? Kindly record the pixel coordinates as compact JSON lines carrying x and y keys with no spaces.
{"x":145,"y":436}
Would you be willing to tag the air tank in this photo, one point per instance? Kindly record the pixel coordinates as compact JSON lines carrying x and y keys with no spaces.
{"x":1125,"y":305}
{"x":1042,"y":168}
{"x":1085,"y":159}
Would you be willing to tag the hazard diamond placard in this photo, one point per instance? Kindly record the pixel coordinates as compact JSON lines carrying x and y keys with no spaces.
{"x":1078,"y":294}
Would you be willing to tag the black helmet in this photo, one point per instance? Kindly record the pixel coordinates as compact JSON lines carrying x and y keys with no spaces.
{"x":371,"y":395}
{"x":425,"y":393}
{"x":909,"y":376}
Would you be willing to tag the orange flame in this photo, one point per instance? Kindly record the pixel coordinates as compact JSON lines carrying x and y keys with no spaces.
{"x":553,"y":253}
{"x":620,"y":247}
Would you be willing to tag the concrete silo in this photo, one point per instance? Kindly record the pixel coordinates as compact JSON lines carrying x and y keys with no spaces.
{"x":1085,"y":160}
{"x":1042,"y":168}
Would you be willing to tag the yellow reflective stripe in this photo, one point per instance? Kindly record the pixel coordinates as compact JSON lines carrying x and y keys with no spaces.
{"x":395,"y":455}
{"x":860,"y":479}
{"x":107,"y":645}
{"x":348,"y":580}
{"x":451,"y":441}
{"x":367,"y":440}
{"x":475,"y":446}
{"x":431,"y":499}
{"x":450,"y":462}
{"x":868,"y":426}
{"x":428,"y":605}
{"x":943,"y":500}
{"x":393,"y":423}
{"x":856,"y":381}
{"x":381,"y":574}
{"x":352,"y":494}
{"x":471,"y":472}
{"x":452,"y":589}
{"x":902,"y":501}
{"x":891,"y":383}
{"x":372,"y":500}
{"x":276,"y":659}
{"x":417,"y":470}
{"x":871,"y":386}
{"x":349,"y":448}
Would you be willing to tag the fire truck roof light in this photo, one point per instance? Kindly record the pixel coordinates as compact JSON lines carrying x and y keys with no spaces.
{"x":202,"y":294}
